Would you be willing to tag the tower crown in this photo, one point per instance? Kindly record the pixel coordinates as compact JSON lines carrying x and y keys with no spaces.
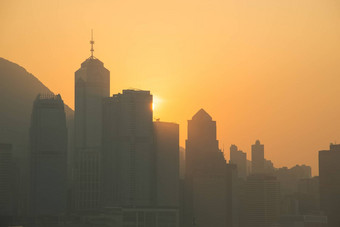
{"x":202,"y":114}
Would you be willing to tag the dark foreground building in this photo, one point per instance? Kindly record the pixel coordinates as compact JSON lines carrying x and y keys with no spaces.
{"x":329,"y":181}
{"x":128,"y":152}
{"x":262,"y":201}
{"x":206,"y":182}
{"x":166,"y":137}
{"x":140,"y":161}
{"x":48,"y":157}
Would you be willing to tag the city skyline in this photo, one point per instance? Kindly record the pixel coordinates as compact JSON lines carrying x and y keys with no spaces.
{"x":261,"y":77}
{"x":123,"y":168}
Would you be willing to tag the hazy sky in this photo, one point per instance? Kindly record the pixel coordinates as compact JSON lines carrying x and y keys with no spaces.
{"x":264,"y":69}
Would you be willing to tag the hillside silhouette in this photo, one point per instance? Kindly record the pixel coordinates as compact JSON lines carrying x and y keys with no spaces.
{"x":18,"y":89}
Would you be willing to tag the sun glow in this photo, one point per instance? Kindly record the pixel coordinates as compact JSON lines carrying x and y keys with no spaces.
{"x":156,"y":102}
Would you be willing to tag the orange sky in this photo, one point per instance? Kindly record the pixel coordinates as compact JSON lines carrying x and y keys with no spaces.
{"x":265,"y":69}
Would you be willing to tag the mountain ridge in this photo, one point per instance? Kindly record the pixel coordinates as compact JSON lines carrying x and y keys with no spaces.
{"x":18,"y":90}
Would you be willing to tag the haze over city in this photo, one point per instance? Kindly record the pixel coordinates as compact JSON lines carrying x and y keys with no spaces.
{"x":145,"y":113}
{"x":264,"y":70}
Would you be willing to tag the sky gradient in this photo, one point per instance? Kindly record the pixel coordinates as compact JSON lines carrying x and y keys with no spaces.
{"x":266,"y":69}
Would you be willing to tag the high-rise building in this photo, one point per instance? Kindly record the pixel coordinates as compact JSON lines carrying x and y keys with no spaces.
{"x":233,"y":196}
{"x":262,"y":201}
{"x":329,"y":181}
{"x":6,"y":181}
{"x":48,"y":157}
{"x":92,"y":84}
{"x":129,"y":159}
{"x":309,"y":195}
{"x":239,"y":158}
{"x":181,"y":163}
{"x":206,"y":179}
{"x":166,"y":137}
{"x":257,"y":158}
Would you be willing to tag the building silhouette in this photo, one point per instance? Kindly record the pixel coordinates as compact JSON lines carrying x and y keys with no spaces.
{"x":262,"y":201}
{"x":233,"y":196}
{"x":129,"y":160}
{"x":6,"y":182}
{"x":257,"y":158}
{"x":206,"y":179}
{"x":309,"y":195}
{"x":166,"y":137}
{"x":329,"y":181}
{"x":92,"y":84}
{"x":239,"y":158}
{"x":289,"y":177}
{"x":48,"y":157}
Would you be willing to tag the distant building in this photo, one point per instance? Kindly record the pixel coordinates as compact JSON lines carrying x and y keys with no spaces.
{"x":129,"y":157}
{"x":6,"y":181}
{"x":309,"y":195}
{"x":48,"y":157}
{"x":166,"y":137}
{"x":239,"y":158}
{"x":289,"y":178}
{"x":249,"y":166}
{"x":269,"y":168}
{"x":92,"y":84}
{"x":206,"y":178}
{"x":329,"y":178}
{"x":257,"y":158}
{"x":233,"y":196}
{"x":262,"y":201}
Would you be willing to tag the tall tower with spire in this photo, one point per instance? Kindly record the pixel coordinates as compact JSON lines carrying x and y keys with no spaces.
{"x":92,"y":84}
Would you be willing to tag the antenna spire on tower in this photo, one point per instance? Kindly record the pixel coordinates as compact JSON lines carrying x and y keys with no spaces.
{"x":92,"y":42}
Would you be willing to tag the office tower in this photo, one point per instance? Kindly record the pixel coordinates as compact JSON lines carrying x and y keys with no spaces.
{"x":329,"y":180}
{"x":309,"y":195}
{"x":239,"y":158}
{"x":6,"y":181}
{"x":129,"y":169}
{"x":206,"y":178}
{"x":92,"y":84}
{"x":233,"y":196}
{"x":249,"y":166}
{"x":257,"y":157}
{"x":48,"y":157}
{"x":182,"y":163}
{"x":262,"y":201}
{"x":166,"y":137}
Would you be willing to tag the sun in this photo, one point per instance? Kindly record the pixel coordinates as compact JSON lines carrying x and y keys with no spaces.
{"x":156,"y":102}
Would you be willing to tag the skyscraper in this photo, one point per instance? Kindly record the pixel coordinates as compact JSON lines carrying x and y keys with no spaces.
{"x":239,"y":158}
{"x":309,"y":195}
{"x":92,"y":84}
{"x":167,"y":163}
{"x":206,"y":178}
{"x":48,"y":157}
{"x":129,"y":169}
{"x":257,"y":157}
{"x":6,"y":181}
{"x":329,"y":181}
{"x":262,"y":201}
